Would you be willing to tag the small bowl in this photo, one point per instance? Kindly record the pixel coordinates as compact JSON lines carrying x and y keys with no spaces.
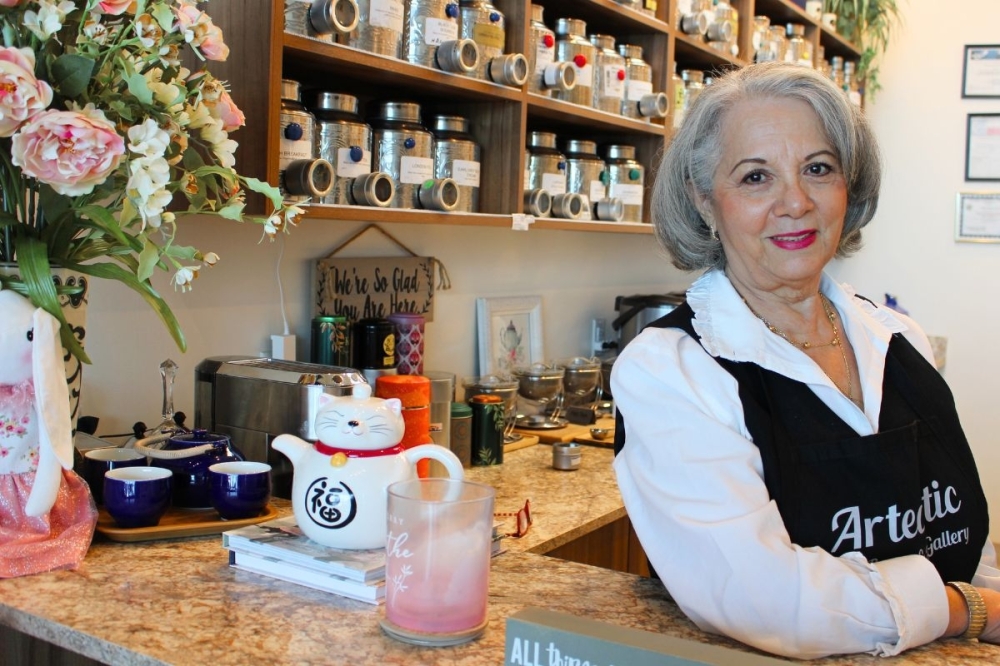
{"x":239,"y":489}
{"x":137,"y":496}
{"x":98,"y":461}
{"x":599,"y":433}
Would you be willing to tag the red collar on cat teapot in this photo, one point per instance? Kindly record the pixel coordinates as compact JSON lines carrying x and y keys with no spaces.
{"x":327,"y":450}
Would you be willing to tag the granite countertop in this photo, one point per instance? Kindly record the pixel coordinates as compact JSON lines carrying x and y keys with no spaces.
{"x":178,"y":602}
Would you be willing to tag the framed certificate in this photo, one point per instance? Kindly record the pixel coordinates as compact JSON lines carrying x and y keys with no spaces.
{"x":981,"y":72}
{"x":982,"y":147}
{"x":977,"y":217}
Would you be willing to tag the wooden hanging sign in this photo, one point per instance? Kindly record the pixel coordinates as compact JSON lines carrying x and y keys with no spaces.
{"x":359,"y":288}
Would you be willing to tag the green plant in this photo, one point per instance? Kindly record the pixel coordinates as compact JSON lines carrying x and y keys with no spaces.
{"x":867,"y":23}
{"x":106,"y":138}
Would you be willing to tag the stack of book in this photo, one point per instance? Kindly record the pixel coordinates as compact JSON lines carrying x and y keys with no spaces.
{"x":279,"y":549}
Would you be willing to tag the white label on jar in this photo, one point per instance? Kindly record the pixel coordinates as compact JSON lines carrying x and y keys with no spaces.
{"x":814,"y":8}
{"x":639,"y":89}
{"x":386,"y":14}
{"x":348,"y":168}
{"x":415,"y":170}
{"x":756,"y":39}
{"x":489,"y":35}
{"x":437,"y":31}
{"x":597,"y":190}
{"x":554,"y":183}
{"x":527,"y":180}
{"x":684,"y":7}
{"x":465,"y":172}
{"x":584,"y":76}
{"x":289,"y":150}
{"x":613,"y":86}
{"x":631,"y":195}
{"x":544,"y":55}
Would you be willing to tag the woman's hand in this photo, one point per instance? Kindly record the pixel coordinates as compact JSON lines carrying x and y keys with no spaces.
{"x":959,"y":614}
{"x":991,"y":634}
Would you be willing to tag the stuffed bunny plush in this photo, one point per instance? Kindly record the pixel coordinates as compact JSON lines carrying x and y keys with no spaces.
{"x":47,"y":516}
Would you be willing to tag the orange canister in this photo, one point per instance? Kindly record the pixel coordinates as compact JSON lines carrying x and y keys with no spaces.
{"x":414,"y":392}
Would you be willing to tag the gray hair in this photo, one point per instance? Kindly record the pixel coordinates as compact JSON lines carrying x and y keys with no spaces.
{"x":694,"y":153}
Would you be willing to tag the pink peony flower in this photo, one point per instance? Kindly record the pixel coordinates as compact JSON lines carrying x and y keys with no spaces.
{"x":10,"y":3}
{"x":115,"y":7}
{"x":72,"y":151}
{"x":21,"y":94}
{"x":209,"y":38}
{"x":224,"y":109}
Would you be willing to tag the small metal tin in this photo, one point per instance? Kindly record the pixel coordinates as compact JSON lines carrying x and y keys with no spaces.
{"x":566,"y":456}
{"x":331,"y":341}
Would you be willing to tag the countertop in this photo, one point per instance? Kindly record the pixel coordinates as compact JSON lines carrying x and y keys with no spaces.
{"x":177,"y":601}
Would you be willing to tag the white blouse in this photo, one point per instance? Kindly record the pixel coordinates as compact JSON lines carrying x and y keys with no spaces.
{"x":692,"y":482}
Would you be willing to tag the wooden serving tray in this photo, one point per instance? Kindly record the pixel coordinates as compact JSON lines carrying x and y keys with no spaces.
{"x":177,"y":523}
{"x":576,"y":433}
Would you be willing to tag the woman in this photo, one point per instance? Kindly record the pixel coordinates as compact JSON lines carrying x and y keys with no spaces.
{"x":790,"y":459}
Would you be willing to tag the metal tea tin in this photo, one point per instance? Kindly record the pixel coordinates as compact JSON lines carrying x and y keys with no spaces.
{"x":610,"y":75}
{"x":457,"y":156}
{"x":331,"y":341}
{"x":321,"y":19}
{"x":433,"y":25}
{"x":546,"y":165}
{"x":586,"y":173}
{"x":402,"y":148}
{"x":572,"y":46}
{"x":485,"y":25}
{"x":461,"y":432}
{"x":626,"y":180}
{"x":301,"y":175}
{"x":380,"y":27}
{"x":640,"y":101}
{"x":566,"y":456}
{"x":487,"y":429}
{"x":345,"y":141}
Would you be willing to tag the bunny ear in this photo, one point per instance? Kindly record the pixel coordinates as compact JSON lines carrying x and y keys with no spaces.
{"x":51,"y":392}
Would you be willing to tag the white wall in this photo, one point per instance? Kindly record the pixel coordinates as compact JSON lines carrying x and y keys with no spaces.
{"x":951,"y":288}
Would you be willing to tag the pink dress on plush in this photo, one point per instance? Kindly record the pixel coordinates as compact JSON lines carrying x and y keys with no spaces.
{"x":58,"y":539}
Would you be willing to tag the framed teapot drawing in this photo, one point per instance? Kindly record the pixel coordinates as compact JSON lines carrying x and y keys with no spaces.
{"x":509,"y":333}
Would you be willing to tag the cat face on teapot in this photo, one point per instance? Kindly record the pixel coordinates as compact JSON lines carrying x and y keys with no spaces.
{"x":359,"y":421}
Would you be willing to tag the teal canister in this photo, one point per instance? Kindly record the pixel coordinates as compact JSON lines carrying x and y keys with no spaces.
{"x":461,"y":432}
{"x":487,"y":429}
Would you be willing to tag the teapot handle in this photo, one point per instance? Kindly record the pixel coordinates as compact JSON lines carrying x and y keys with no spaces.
{"x":143,"y":447}
{"x":438,"y":453}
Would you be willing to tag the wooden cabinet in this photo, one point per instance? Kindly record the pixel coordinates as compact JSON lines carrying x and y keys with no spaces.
{"x":500,"y":116}
{"x":614,"y":546}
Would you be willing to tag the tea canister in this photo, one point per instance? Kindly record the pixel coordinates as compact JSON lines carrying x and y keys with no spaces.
{"x":487,"y":429}
{"x":402,"y":148}
{"x":680,"y":97}
{"x":373,"y":348}
{"x":545,"y":73}
{"x":609,"y":65}
{"x":546,"y":165}
{"x":331,"y":341}
{"x":566,"y":456}
{"x":431,"y":39}
{"x":301,"y":174}
{"x":414,"y":392}
{"x":461,"y":432}
{"x":586,"y":173}
{"x":640,"y":101}
{"x":380,"y":27}
{"x":321,"y":19}
{"x":484,"y":24}
{"x":573,"y":46}
{"x":626,"y":180}
{"x":457,"y":156}
{"x":409,"y":342}
{"x":345,"y":141}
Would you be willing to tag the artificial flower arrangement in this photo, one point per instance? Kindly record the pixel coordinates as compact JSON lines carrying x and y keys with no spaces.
{"x":106,"y":138}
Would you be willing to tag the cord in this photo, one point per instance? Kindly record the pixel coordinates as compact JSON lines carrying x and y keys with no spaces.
{"x":281,"y":290}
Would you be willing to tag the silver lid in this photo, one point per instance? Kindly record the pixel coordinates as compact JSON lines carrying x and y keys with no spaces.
{"x":581,"y":146}
{"x":291,"y":90}
{"x":693,"y":75}
{"x":449,"y":124}
{"x":331,"y":101}
{"x":541,"y":140}
{"x":570,"y":26}
{"x":603,"y":41}
{"x":618,"y":151}
{"x":408,"y":111}
{"x":536,"y":13}
{"x":631,"y":51}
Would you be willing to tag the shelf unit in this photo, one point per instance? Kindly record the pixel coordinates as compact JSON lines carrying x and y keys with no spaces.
{"x":501,"y":117}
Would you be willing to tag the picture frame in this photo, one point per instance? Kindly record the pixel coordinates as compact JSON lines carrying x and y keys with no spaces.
{"x":982,"y":146}
{"x":509,"y":331}
{"x":981,"y":71}
{"x":977,"y":217}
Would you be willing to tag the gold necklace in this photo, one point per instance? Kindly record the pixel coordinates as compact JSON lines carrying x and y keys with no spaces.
{"x":805,"y":346}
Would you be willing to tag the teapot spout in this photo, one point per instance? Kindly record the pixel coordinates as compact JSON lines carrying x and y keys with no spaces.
{"x":293,"y":447}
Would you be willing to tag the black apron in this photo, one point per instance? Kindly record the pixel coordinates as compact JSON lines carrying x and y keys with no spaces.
{"x":911,"y":488}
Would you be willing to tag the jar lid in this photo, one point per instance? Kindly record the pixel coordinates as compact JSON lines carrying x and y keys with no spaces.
{"x":487,"y":382}
{"x":411,"y":390}
{"x":632,"y":51}
{"x":485,"y":399}
{"x":406,"y":111}
{"x":536,"y":12}
{"x":460,"y":410}
{"x":410,"y":318}
{"x":620,"y":152}
{"x":331,"y":101}
{"x":581,"y":146}
{"x":450,"y":124}
{"x":542,"y":140}
{"x":291,"y":90}
{"x":571,"y":26}
{"x":579,"y":363}
{"x":693,"y":75}
{"x":603,"y":41}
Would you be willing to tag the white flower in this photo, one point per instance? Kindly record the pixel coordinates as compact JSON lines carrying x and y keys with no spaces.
{"x":95,"y":30}
{"x":184,"y":276}
{"x":49,"y":18}
{"x":148,"y":139}
{"x":146,"y":188}
{"x":198,"y":116}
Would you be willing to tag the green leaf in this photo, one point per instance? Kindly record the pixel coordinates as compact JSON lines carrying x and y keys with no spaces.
{"x":139,"y":88}
{"x":182,"y":252}
{"x":71,"y":74}
{"x":148,"y":258}
{"x":164,"y":16}
{"x":233,"y":211}
{"x":265,"y":188}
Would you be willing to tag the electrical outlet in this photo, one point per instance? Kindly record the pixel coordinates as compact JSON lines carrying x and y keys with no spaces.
{"x":597,"y":339}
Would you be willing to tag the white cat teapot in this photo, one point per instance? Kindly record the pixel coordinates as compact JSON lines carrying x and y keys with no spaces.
{"x":339,"y":483}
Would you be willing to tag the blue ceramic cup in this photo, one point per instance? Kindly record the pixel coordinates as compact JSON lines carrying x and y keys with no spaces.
{"x":239,"y":489}
{"x":137,"y":496}
{"x":98,"y":461}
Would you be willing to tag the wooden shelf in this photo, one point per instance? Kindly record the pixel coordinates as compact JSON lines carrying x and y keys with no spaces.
{"x":566,"y":113}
